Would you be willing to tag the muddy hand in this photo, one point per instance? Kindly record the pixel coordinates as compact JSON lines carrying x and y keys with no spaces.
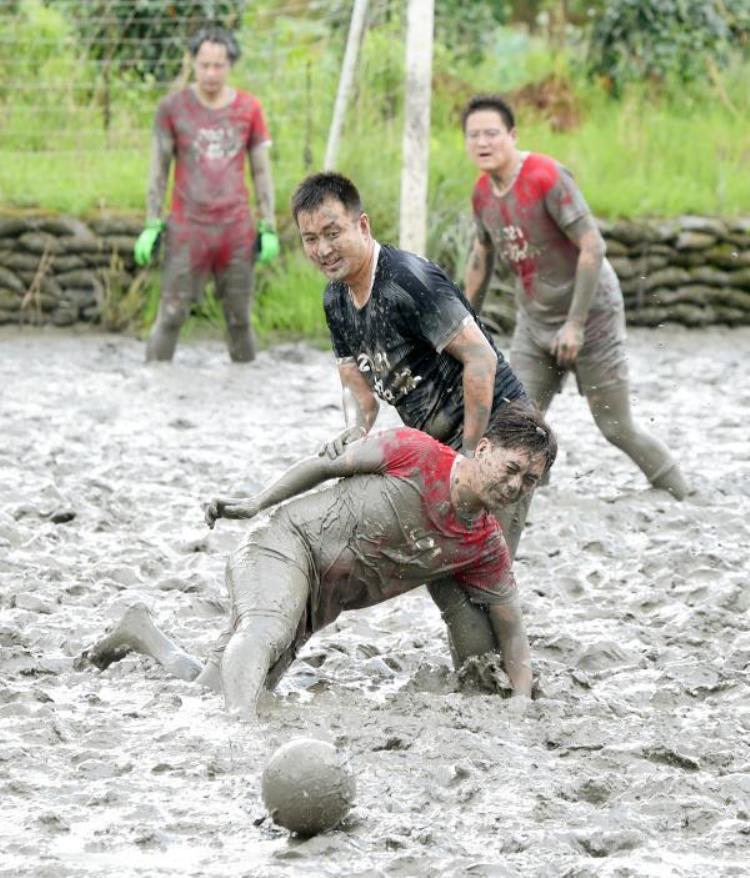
{"x":567,"y":343}
{"x":335,"y":447}
{"x":213,"y":510}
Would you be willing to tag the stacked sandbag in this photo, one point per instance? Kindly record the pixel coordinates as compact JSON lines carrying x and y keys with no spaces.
{"x":690,"y":270}
{"x":61,"y":270}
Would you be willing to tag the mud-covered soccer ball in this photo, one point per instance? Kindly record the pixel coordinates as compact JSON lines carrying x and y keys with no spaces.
{"x":307,"y":786}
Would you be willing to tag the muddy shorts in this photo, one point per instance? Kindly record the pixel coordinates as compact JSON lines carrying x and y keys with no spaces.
{"x":196,"y":252}
{"x":601,"y":362}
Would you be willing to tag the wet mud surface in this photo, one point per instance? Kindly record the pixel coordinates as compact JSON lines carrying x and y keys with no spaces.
{"x":634,"y":760}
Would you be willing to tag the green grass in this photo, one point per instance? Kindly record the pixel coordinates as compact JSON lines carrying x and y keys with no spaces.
{"x":632,"y":157}
{"x":290,"y":298}
{"x":288,"y":302}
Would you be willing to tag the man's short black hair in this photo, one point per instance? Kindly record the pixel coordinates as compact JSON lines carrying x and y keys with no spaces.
{"x":214,"y":34}
{"x":317,"y":188}
{"x":489,"y":102}
{"x":519,"y":424}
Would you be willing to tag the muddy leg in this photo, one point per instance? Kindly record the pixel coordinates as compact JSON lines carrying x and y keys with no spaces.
{"x":244,"y":668}
{"x":136,"y":632}
{"x":162,"y":342}
{"x":234,"y":289}
{"x":470,"y":631}
{"x":542,"y":379}
{"x":269,"y":597}
{"x":182,"y":283}
{"x":610,"y":407}
{"x":512,"y":520}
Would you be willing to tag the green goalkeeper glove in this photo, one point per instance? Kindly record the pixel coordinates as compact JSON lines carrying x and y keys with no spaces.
{"x":268,"y":243}
{"x":148,"y":241}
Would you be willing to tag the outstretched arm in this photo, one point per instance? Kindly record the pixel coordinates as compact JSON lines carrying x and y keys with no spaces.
{"x":507,"y":623}
{"x":479,"y":360}
{"x":568,"y":341}
{"x":365,"y":456}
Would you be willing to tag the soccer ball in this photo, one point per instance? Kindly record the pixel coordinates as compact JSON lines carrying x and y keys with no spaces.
{"x":307,"y":786}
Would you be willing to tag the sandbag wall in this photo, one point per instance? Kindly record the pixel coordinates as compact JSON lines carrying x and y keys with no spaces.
{"x":691,"y":270}
{"x":61,"y":270}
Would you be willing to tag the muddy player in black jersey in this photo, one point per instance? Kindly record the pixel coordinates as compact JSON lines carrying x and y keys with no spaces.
{"x":401,"y":331}
{"x":410,"y":511}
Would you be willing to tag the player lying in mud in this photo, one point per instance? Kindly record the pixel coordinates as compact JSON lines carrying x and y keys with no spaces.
{"x":410,"y":511}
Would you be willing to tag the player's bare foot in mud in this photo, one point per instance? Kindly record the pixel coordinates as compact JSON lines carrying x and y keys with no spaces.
{"x":209,"y":677}
{"x":673,"y":482}
{"x":518,"y":705}
{"x":248,"y":716}
{"x":129,"y":635}
{"x":137,"y":632}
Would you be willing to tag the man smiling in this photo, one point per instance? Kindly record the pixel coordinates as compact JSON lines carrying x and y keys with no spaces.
{"x":401,"y":330}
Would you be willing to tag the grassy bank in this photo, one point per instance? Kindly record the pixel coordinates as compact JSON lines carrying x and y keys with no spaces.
{"x":670,"y":153}
{"x":647,"y":154}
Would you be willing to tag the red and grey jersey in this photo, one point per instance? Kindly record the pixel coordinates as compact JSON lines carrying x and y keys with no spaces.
{"x":525,"y":226}
{"x":209,"y":148}
{"x":369,"y":538}
{"x":476,"y":555}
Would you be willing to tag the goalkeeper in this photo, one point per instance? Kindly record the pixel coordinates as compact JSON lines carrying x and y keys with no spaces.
{"x":207,"y":129}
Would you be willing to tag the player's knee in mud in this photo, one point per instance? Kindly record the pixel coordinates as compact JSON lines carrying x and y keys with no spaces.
{"x":173,"y":315}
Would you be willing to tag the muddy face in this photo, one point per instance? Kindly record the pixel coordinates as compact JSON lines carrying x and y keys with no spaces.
{"x":504,"y":474}
{"x":334,"y":240}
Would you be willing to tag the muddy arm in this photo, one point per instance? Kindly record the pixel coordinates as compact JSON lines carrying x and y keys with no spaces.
{"x":260,"y":168}
{"x":360,"y":403}
{"x":507,"y":623}
{"x":479,"y":360}
{"x":162,"y":147}
{"x":365,"y":456}
{"x":569,"y":339}
{"x":478,"y":273}
{"x":360,"y":410}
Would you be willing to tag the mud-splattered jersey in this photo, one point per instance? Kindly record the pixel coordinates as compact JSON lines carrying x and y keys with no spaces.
{"x":398,"y":342}
{"x":525,"y":227}
{"x":209,"y":148}
{"x":372,"y":537}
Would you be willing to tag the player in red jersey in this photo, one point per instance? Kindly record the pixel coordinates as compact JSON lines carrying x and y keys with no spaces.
{"x":208,"y":129}
{"x":531,"y":215}
{"x":410,"y":511}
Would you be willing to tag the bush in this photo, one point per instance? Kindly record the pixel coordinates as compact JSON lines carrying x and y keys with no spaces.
{"x":663,"y":40}
{"x":145,"y":38}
